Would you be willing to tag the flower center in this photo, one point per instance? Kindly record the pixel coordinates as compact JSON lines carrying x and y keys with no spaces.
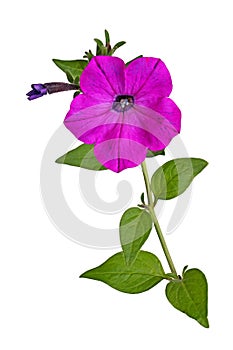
{"x":123,"y":103}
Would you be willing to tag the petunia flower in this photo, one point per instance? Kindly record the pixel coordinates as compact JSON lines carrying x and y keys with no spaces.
{"x":124,"y":110}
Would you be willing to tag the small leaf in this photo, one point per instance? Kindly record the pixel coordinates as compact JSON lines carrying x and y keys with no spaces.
{"x":73,"y":69}
{"x":173,"y":177}
{"x":189,"y":295}
{"x":133,"y":60}
{"x":151,"y":154}
{"x":143,"y":198}
{"x":143,"y":274}
{"x":83,"y":157}
{"x":184,"y":269}
{"x":135,"y":227}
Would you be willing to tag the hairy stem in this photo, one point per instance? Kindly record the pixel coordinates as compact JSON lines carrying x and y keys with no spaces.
{"x":154,"y":218}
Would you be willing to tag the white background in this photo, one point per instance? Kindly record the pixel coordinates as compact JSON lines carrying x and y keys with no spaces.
{"x":44,"y":305}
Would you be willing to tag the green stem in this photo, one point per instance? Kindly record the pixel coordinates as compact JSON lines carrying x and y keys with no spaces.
{"x":155,"y":220}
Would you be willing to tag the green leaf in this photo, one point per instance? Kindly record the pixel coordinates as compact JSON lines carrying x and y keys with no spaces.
{"x":151,"y":154}
{"x":173,"y":177}
{"x":143,"y":274}
{"x":135,"y":227}
{"x":143,"y":198}
{"x":73,"y":69}
{"x":189,"y":295}
{"x":83,"y":157}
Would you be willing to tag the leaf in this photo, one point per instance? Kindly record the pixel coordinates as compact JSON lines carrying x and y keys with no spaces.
{"x":173,"y":177}
{"x":73,"y":69}
{"x":189,"y":295}
{"x":151,"y":154}
{"x":143,"y":274}
{"x":135,"y":227}
{"x":83,"y":157}
{"x":143,"y":198}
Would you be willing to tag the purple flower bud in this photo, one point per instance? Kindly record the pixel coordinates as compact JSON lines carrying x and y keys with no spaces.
{"x":49,"y":88}
{"x":38,"y":90}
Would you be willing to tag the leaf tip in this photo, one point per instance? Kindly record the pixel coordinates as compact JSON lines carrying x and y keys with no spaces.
{"x":60,"y":160}
{"x":204,"y":322}
{"x":85,"y":274}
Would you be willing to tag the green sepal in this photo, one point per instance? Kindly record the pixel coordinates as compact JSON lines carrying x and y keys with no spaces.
{"x":107,"y":37}
{"x":83,"y":157}
{"x":190,"y":295}
{"x":151,"y":154}
{"x":99,"y":42}
{"x":133,"y":60}
{"x":173,"y":178}
{"x":73,"y":69}
{"x":135,"y":227}
{"x":88,"y":55}
{"x":100,"y":47}
{"x":76,"y":93}
{"x":145,"y":272}
{"x":117,"y":46}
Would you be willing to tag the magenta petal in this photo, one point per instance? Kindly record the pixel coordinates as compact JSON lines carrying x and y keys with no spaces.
{"x":154,"y":123}
{"x":103,"y":78}
{"x":167,"y":108}
{"x":122,"y":135}
{"x":170,"y":111}
{"x":98,"y":123}
{"x":88,"y":118}
{"x":148,"y":75}
{"x":121,"y":131}
{"x":119,"y":154}
{"x":81,"y":102}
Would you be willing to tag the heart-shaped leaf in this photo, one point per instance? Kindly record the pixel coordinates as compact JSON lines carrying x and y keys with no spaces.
{"x":135,"y":227}
{"x":144,"y":273}
{"x":83,"y":157}
{"x":173,"y":177}
{"x":73,"y":68}
{"x":189,"y":295}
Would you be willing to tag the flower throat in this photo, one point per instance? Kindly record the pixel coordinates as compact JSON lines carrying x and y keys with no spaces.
{"x":123,"y":103}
